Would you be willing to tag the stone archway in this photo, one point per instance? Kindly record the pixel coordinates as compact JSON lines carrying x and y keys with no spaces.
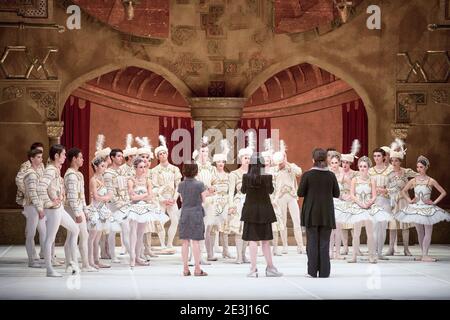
{"x":179,"y":84}
{"x":330,"y":67}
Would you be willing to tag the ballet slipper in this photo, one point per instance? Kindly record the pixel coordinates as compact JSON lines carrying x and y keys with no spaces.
{"x":390,"y":252}
{"x":407,"y":252}
{"x":428,"y":259}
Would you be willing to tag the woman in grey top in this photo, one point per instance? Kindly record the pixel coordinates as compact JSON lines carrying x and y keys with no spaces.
{"x":191,"y":225}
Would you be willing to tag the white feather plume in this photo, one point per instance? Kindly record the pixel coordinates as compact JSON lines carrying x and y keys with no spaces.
{"x":194,"y":155}
{"x":251,"y":140}
{"x":398,"y":145}
{"x":205,"y":140}
{"x":100,"y":142}
{"x":162,"y":140}
{"x":128,"y":141}
{"x":356,"y":146}
{"x":283,"y":147}
{"x":143,"y":142}
{"x":225,"y":146}
{"x":268,"y":144}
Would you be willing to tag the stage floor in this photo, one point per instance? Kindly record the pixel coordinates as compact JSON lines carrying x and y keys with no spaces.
{"x":399,"y":278}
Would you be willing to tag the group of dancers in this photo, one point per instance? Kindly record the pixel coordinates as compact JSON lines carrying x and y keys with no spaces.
{"x":130,"y":197}
{"x":377,"y":197}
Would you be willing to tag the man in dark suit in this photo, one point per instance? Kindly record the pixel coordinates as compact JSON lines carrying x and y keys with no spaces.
{"x":318,"y":187}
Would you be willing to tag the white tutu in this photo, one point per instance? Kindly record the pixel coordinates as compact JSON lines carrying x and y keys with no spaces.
{"x":99,"y":217}
{"x":422,"y":213}
{"x":143,"y":212}
{"x":350,"y":212}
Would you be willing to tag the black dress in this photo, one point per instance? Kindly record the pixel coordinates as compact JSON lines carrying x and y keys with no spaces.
{"x":257,"y":212}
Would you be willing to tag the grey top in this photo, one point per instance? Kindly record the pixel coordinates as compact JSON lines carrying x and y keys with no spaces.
{"x":191,"y":193}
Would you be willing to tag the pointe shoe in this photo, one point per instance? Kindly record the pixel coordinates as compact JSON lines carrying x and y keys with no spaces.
{"x":372,"y":259}
{"x":381,"y":257}
{"x":273,"y":272}
{"x":300,"y":250}
{"x":205,"y":263}
{"x":115,"y":260}
{"x":102,"y":266}
{"x":34,"y":264}
{"x":245,"y":260}
{"x":339,"y":257}
{"x":41,"y":255}
{"x":53,"y":274}
{"x":407,"y":252}
{"x":142,"y":263}
{"x":276,"y":253}
{"x":390,"y":252}
{"x":89,"y":269}
{"x":352,"y":260}
{"x":285,"y":250}
{"x":226,"y":255}
{"x":428,"y":259}
{"x":253,"y":274}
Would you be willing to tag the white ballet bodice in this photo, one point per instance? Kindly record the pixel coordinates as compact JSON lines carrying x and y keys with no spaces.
{"x":363,"y":191}
{"x":422,"y":192}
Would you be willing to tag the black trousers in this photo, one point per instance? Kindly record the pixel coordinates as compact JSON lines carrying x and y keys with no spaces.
{"x":318,"y":251}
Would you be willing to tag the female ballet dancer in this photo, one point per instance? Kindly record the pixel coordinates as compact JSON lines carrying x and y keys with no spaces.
{"x":380,"y":173}
{"x":336,"y":234}
{"x":52,"y":196}
{"x":220,"y":198}
{"x":236,"y":199}
{"x":270,"y":168}
{"x":422,"y":211}
{"x":398,"y":178}
{"x":140,"y":211}
{"x":99,"y":215}
{"x":363,"y":210}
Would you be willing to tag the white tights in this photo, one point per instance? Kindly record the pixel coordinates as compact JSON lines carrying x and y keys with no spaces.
{"x":55,"y":218}
{"x":424,"y":233}
{"x":93,"y":247}
{"x":356,"y":238}
{"x":32,"y":223}
{"x":125,"y":239}
{"x":136,"y":240}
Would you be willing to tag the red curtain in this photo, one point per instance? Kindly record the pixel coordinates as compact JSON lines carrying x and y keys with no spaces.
{"x":76,"y":134}
{"x":354,"y":126}
{"x":167,"y":125}
{"x":257,"y":124}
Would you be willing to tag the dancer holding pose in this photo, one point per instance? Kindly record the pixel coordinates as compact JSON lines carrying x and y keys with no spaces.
{"x":398,"y":178}
{"x":76,"y":203}
{"x":35,"y":217}
{"x":51,"y":194}
{"x":99,"y":216}
{"x":278,"y":226}
{"x":422,"y":211}
{"x":363,"y":210}
{"x":220,"y":199}
{"x":286,"y":195}
{"x":117,"y":185}
{"x":380,"y":173}
{"x":237,"y":198}
{"x":336,"y":234}
{"x":207,"y":174}
{"x":165,"y":180}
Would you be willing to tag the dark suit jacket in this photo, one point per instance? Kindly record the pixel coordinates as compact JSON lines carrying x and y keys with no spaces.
{"x":318,"y":187}
{"x":257,"y":206}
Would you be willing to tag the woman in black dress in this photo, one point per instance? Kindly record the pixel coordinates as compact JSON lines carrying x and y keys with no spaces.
{"x":258,"y":214}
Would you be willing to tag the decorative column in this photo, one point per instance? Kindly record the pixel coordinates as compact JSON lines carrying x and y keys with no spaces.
{"x":54,"y":131}
{"x":218,"y":113}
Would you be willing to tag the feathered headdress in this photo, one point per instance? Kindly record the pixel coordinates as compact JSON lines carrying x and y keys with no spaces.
{"x":225,"y":146}
{"x":278,"y":156}
{"x":129,"y":151}
{"x":101,"y":152}
{"x":162,"y":145}
{"x":145,"y":147}
{"x":397,"y":149}
{"x":354,"y":150}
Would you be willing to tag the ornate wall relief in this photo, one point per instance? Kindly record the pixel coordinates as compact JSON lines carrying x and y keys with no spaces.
{"x":431,"y":66}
